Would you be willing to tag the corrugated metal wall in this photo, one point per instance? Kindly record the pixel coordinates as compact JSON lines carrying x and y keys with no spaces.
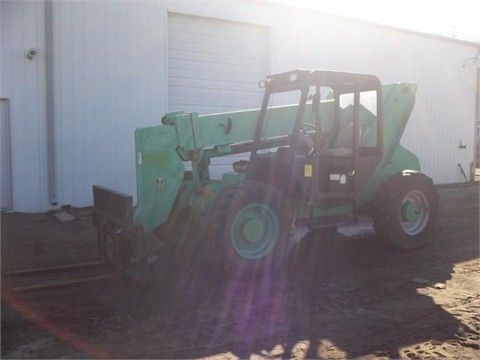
{"x":23,"y":84}
{"x":110,"y":78}
{"x":110,"y":75}
{"x":444,"y":114}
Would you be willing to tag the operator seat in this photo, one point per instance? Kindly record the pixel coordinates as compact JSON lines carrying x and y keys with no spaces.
{"x":343,"y":143}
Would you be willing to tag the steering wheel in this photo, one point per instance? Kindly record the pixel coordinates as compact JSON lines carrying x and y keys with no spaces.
{"x":309,"y":140}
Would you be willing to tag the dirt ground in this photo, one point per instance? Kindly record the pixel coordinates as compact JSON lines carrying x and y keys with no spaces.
{"x":337,"y":298}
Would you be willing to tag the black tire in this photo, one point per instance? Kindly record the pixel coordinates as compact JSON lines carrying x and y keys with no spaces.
{"x":406,"y":210}
{"x":246,"y":232}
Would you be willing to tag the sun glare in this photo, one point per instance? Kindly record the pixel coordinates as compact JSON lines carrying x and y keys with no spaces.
{"x":457,"y":19}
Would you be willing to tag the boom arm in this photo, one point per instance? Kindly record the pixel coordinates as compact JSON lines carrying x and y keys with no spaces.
{"x":159,"y":150}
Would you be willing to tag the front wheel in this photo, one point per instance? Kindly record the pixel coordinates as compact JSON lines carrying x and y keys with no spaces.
{"x":406,"y":210}
{"x":247,"y":229}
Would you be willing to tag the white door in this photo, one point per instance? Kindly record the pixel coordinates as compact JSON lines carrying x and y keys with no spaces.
{"x":5,"y":175}
{"x":215,"y":66}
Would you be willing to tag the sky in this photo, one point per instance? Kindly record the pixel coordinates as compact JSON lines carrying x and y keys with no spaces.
{"x":459,"y":19}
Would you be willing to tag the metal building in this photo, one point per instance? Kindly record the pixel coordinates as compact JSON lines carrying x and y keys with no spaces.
{"x":76,"y":79}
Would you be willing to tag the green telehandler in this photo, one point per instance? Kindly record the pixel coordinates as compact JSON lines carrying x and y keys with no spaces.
{"x":333,"y":156}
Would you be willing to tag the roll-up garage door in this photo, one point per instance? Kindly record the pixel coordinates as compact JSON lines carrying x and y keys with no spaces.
{"x":214,"y":65}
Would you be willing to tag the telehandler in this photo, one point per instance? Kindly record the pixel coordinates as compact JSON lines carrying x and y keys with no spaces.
{"x":331,"y":157}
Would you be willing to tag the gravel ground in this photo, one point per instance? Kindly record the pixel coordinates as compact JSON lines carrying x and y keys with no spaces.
{"x":338,"y":297}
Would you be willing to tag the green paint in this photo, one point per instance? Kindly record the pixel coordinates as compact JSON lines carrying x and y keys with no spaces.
{"x":159,"y":175}
{"x":255,"y":231}
{"x":160,"y":170}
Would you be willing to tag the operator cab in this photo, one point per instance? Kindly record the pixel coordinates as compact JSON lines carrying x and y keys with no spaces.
{"x":334,"y":142}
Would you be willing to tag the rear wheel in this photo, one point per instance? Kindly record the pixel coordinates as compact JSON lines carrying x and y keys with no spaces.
{"x":406,"y":210}
{"x":247,"y":229}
